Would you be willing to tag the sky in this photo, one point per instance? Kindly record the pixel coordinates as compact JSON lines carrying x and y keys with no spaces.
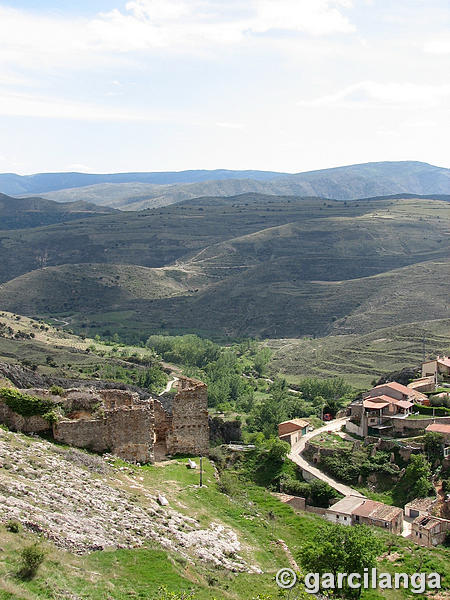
{"x":284,"y":85}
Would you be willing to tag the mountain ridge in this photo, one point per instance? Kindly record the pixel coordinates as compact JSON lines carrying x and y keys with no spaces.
{"x":138,"y":191}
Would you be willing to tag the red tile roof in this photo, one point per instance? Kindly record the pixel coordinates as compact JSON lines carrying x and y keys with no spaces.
{"x":376,"y":405}
{"x":395,"y":386}
{"x":439,"y":428}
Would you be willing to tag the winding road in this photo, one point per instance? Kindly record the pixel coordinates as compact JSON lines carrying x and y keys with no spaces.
{"x":169,"y":385}
{"x":296,"y":456}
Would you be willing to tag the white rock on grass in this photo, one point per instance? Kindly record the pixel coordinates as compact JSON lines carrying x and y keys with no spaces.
{"x":81,"y":510}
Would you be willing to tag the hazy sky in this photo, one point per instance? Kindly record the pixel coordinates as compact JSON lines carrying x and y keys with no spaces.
{"x":287,"y":85}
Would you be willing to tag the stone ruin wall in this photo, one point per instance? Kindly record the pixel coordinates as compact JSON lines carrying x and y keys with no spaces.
{"x":15,"y":422}
{"x":123,"y":425}
{"x":120,"y":422}
{"x":189,"y":433}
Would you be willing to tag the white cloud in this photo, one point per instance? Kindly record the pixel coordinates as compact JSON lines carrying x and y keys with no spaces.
{"x":28,"y":39}
{"x":320,"y":17}
{"x":374,"y":94}
{"x":438,"y":47}
{"x":227,"y":125}
{"x":24,"y":105}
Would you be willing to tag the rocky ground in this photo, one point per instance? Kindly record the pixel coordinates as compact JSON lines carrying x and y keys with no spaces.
{"x":83,"y":503}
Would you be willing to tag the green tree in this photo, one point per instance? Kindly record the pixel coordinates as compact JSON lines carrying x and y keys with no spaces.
{"x":339,"y":549}
{"x":261,"y":360}
{"x":434,"y":443}
{"x":31,"y":558}
{"x":415,"y":482}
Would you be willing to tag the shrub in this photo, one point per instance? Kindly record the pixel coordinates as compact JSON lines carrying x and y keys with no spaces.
{"x":438,"y":411}
{"x":57,"y":390}
{"x":13,"y":526}
{"x":25,"y":405}
{"x":31,"y":559}
{"x":229,"y":484}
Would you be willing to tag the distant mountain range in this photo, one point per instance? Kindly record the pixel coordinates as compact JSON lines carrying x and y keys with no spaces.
{"x":138,"y":191}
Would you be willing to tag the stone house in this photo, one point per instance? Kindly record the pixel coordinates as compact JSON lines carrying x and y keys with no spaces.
{"x":419,"y":507}
{"x":438,"y":366}
{"x":121,"y":422}
{"x":429,"y":531}
{"x":297,"y":502}
{"x":441,"y":428}
{"x":378,"y":514}
{"x":356,"y":510}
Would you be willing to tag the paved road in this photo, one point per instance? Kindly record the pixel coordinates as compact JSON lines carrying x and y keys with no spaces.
{"x":169,"y":386}
{"x":297,"y":449}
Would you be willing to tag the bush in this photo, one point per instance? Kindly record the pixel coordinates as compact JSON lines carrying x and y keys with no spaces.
{"x":25,"y":405}
{"x":13,"y":526}
{"x":439,"y":411}
{"x":229,"y":484}
{"x":57,"y":390}
{"x":218,"y":457}
{"x":31,"y":559}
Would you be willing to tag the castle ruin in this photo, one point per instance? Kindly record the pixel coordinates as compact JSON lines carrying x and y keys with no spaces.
{"x":124,"y":424}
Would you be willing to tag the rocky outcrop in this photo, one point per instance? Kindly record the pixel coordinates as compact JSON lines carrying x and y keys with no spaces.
{"x":82,"y":504}
{"x":224,"y":432}
{"x":23,"y":377}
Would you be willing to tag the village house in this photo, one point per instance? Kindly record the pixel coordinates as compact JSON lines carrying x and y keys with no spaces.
{"x":396,"y":391}
{"x":441,"y":428}
{"x":291,"y":431}
{"x":429,"y":531}
{"x":440,"y":366}
{"x":419,"y":507}
{"x":374,"y":413}
{"x":356,"y":510}
{"x":377,"y":514}
{"x":342,"y":511}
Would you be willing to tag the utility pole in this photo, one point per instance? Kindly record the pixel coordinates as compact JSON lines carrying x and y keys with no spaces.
{"x":201,"y":471}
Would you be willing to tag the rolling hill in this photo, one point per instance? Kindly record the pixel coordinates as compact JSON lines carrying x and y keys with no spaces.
{"x":21,"y":213}
{"x":139,"y":191}
{"x":245,"y":266}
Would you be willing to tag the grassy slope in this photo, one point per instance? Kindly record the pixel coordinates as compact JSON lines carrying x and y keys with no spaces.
{"x":20,"y":213}
{"x":71,"y":356}
{"x":361,"y":358}
{"x":121,"y":574}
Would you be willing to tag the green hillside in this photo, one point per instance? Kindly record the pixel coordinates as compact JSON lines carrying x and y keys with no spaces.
{"x":228,"y":268}
{"x":362,"y":358}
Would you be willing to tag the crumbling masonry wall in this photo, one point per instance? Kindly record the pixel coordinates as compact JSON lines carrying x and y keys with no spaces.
{"x":189,"y":433}
{"x":126,"y":430}
{"x":123,"y":423}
